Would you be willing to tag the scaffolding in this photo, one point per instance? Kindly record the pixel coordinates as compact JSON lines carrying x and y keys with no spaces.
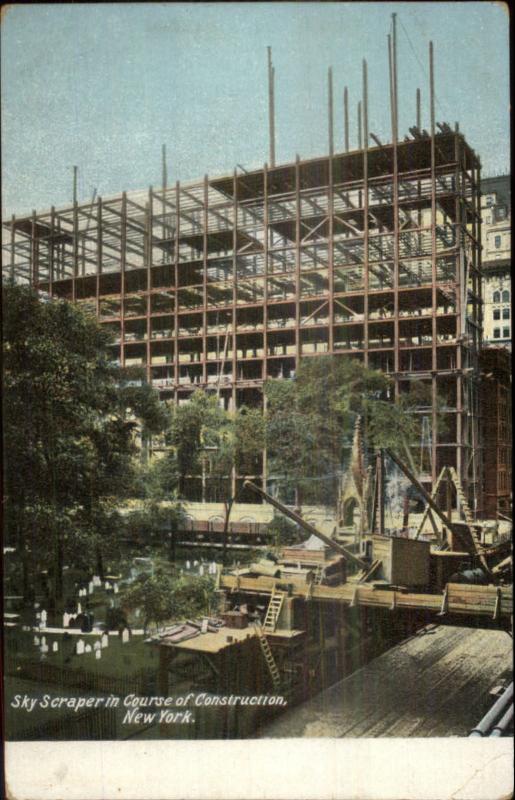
{"x":372,"y":253}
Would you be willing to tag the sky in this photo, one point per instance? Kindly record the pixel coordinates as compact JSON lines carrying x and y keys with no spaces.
{"x":104,"y":86}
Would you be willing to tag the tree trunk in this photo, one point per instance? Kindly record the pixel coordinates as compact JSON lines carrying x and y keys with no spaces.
{"x":58,"y":576}
{"x":100,"y":562}
{"x":172,"y":541}
{"x":228,"y":507}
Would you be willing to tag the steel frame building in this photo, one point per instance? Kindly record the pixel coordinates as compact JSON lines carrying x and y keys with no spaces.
{"x":372,"y":253}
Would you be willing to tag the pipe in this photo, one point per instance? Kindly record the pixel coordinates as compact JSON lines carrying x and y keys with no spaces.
{"x":491,"y":716}
{"x":305,"y":525}
{"x":504,"y":723}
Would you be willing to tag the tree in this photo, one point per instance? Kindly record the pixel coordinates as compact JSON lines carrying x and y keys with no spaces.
{"x":310,"y":419}
{"x":69,"y":427}
{"x":210,"y":441}
{"x":163,"y":597}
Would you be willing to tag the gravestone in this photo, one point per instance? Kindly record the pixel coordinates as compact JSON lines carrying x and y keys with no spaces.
{"x":97,"y":646}
{"x":87,"y":649}
{"x":125,"y":636}
{"x":203,"y":628}
{"x":79,"y":608}
{"x":98,"y":654}
{"x":79,"y":647}
{"x":43,"y":617}
{"x":105,"y":640}
{"x":115,"y":588}
{"x":66,"y":620}
{"x":91,"y":587}
{"x":55,"y":647}
{"x":36,"y":641}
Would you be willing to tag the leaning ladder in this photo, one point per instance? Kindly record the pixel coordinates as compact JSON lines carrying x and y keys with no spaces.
{"x":269,"y":659}
{"x":274,"y":609}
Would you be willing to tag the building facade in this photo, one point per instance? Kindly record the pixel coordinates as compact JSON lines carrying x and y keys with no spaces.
{"x":371,"y":254}
{"x":496,"y":259}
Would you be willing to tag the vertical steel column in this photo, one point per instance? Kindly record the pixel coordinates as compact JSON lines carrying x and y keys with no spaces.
{"x":176,"y":292}
{"x":75,"y":250}
{"x":419,"y":115}
{"x":264,"y":370}
{"x":51,"y":253}
{"x":365,"y":213}
{"x":99,"y":255}
{"x":330,"y":111}
{"x":271,"y":107}
{"x":234,"y":367}
{"x":346,"y":118}
{"x":434,"y":365}
{"x":34,"y":248}
{"x":123,"y":257}
{"x":360,"y":142}
{"x":298,"y":209}
{"x":13,"y":248}
{"x":458,"y":280}
{"x":204,"y":288}
{"x":148,"y":259}
{"x":395,"y":192}
{"x":330,"y":239}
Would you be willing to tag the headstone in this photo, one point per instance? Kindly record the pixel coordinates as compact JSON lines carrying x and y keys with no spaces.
{"x":44,"y":617}
{"x":55,"y":647}
{"x":137,"y":613}
{"x":125,"y":636}
{"x":97,"y":646}
{"x":98,"y":654}
{"x":188,"y":565}
{"x":96,"y":580}
{"x":43,"y":640}
{"x":91,"y":586}
{"x":201,"y":570}
{"x":79,"y":647}
{"x":195,"y":563}
{"x":66,"y":620}
{"x":38,"y":615}
{"x":107,"y":585}
{"x":203,"y":628}
{"x":44,"y":648}
{"x":105,"y":640}
{"x":87,"y":648}
{"x":111,"y":603}
{"x":36,"y":641}
{"x":79,"y":608}
{"x":115,"y":588}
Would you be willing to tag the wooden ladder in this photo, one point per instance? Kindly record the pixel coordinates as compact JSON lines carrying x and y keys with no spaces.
{"x":269,"y":659}
{"x":273,"y":610}
{"x":319,"y":574}
{"x":467,"y":513}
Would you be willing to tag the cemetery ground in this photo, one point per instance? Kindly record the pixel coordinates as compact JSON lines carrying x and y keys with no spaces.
{"x":43,"y":660}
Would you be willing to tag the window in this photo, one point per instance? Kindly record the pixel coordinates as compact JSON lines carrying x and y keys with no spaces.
{"x":497,"y":313}
{"x":506,"y":313}
{"x":506,"y":296}
{"x":505,"y":333}
{"x":497,"y":297}
{"x":497,"y":242}
{"x":497,"y":333}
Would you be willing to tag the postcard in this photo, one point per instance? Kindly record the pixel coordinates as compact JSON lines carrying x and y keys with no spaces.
{"x":257,"y":401}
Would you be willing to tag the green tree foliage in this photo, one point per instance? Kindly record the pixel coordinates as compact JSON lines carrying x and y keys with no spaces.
{"x":207,"y":439}
{"x":69,"y":430}
{"x":310,"y":420}
{"x":163,"y":597}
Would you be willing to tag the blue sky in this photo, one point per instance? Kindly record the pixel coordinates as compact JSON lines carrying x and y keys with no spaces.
{"x":103,"y":86}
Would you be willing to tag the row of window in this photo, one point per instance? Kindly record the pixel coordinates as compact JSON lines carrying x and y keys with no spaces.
{"x":503,"y":297}
{"x":505,"y":333}
{"x":505,"y":313}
